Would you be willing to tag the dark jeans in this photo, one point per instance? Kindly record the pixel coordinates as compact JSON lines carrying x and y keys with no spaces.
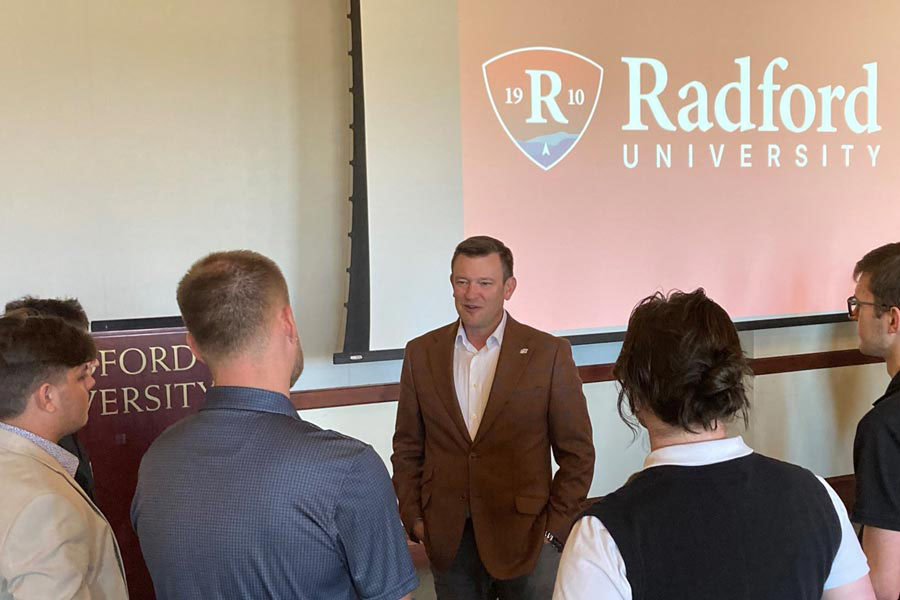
{"x":467,"y":579}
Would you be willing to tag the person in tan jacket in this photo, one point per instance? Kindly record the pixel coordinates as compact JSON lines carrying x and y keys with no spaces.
{"x":483,"y":403}
{"x":54,"y":542}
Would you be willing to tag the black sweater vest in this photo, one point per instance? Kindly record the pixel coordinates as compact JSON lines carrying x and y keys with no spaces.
{"x":752,"y":528}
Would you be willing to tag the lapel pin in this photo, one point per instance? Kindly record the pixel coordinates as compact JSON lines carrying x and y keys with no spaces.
{"x":523,"y":351}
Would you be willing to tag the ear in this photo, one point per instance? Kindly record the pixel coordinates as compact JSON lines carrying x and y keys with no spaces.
{"x":192,"y":344}
{"x":286,"y":320}
{"x":894,"y":320}
{"x":45,"y":398}
{"x":509,"y":286}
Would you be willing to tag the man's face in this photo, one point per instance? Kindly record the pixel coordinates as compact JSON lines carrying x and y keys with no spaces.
{"x":74,"y":390}
{"x":872,"y":329}
{"x":479,"y":291}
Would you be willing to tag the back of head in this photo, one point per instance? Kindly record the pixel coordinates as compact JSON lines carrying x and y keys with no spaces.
{"x":882,"y":265}
{"x":682,"y":360}
{"x":68,"y":309}
{"x":226,"y":299}
{"x":483,"y":245}
{"x":35,"y":350}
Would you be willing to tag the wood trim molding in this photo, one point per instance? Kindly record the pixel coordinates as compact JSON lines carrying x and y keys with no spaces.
{"x":390,"y":392}
{"x":346,"y":396}
{"x":809,"y":362}
{"x":845,"y":486}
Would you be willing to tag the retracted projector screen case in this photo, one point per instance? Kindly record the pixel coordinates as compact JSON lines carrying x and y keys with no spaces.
{"x":623,"y":148}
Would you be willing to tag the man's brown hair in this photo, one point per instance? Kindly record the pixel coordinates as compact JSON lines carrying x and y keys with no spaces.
{"x":226,"y":297}
{"x":68,"y":309}
{"x":882,"y":265}
{"x":483,"y":245}
{"x":35,"y":350}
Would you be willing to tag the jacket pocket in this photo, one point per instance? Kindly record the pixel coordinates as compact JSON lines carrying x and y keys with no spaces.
{"x":529,"y":505}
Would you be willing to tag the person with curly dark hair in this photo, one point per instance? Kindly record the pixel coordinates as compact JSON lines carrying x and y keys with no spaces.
{"x":707,"y":517}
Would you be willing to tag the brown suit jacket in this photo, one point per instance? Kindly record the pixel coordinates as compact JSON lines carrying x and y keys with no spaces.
{"x":503,"y":476}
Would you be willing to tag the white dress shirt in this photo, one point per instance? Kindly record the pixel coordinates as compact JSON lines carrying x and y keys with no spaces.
{"x":592,"y":566}
{"x":473,"y":373}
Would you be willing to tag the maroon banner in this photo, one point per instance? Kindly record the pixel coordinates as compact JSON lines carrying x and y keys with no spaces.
{"x":147,"y":380}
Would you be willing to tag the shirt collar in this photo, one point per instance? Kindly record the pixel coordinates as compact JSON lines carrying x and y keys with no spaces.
{"x":66,"y":459}
{"x":892,"y":388}
{"x":229,"y":397}
{"x":699,"y":453}
{"x":495,"y":340}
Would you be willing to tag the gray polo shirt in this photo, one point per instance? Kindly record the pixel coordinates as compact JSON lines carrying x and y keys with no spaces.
{"x":247,"y":500}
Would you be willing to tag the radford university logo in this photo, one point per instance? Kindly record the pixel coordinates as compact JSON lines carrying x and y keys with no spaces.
{"x":544,"y":99}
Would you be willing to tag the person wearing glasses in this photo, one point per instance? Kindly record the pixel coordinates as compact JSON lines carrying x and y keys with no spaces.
{"x":876,"y":450}
{"x":707,"y":518}
{"x":68,"y":309}
{"x":54,"y":542}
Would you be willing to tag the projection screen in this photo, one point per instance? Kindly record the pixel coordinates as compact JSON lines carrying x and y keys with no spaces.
{"x":619,"y":148}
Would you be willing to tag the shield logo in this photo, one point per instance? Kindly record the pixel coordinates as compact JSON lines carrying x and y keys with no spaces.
{"x":544,"y":99}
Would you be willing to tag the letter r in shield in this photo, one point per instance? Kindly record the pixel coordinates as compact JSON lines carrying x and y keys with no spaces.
{"x":544,"y":99}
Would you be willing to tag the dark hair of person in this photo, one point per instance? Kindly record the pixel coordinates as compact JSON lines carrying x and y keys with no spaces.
{"x":35,"y":350}
{"x":226,"y":298}
{"x":682,"y":360}
{"x":882,"y":265}
{"x":482,"y":245}
{"x":68,"y":309}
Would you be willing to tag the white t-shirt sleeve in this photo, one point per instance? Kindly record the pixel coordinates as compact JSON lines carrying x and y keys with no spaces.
{"x":850,"y":562}
{"x":591,"y":566}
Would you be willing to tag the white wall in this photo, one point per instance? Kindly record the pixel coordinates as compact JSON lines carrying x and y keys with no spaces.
{"x":414,"y":156}
{"x":136,"y":137}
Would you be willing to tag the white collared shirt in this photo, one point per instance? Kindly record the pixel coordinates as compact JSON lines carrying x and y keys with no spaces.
{"x":473,"y":373}
{"x":592,"y":566}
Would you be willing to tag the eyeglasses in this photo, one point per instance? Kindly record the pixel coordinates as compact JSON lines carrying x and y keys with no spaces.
{"x":853,"y":304}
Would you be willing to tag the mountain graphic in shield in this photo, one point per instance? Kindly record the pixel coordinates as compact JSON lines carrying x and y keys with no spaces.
{"x":544,"y":99}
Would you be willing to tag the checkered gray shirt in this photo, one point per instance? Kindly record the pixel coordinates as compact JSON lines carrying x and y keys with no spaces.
{"x":246,"y":500}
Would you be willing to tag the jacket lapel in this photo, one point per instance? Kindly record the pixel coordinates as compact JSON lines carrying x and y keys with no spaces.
{"x":440,"y":358}
{"x":511,"y":363}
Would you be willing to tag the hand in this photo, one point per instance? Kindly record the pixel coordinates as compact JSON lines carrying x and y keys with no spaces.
{"x":419,"y":531}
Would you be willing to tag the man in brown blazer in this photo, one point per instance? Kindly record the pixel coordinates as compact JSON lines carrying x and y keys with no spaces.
{"x":483,"y":401}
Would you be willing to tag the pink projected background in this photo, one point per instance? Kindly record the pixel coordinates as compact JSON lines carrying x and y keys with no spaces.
{"x":593,"y":229}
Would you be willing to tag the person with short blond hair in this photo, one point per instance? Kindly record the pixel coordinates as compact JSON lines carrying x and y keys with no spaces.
{"x":245,"y":499}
